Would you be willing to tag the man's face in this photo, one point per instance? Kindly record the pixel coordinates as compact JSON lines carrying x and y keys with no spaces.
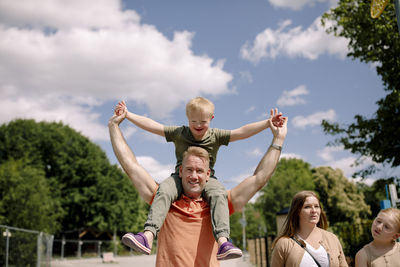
{"x":194,"y":173}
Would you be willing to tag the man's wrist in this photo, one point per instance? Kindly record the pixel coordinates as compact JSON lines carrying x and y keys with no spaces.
{"x":278,"y":141}
{"x":275,"y":146}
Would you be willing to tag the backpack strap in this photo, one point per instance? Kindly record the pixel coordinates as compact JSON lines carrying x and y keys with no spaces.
{"x":305,"y":248}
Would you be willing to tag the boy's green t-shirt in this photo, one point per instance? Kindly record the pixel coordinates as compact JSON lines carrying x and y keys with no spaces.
{"x":182,"y":137}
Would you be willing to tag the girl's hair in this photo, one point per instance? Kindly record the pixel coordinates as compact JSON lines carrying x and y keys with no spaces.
{"x":396,"y":216}
{"x":198,"y":152}
{"x":292,"y":222}
{"x":200,"y":104}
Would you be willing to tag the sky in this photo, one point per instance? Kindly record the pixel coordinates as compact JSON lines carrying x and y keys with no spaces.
{"x":72,"y":61}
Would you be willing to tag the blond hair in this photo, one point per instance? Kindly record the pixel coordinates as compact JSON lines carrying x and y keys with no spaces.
{"x":395,"y":214}
{"x":200,"y":104}
{"x":198,"y":152}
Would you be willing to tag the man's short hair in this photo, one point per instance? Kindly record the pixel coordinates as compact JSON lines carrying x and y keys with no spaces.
{"x":198,"y":152}
{"x":200,"y":104}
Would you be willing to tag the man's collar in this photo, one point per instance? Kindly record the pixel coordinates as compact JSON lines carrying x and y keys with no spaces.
{"x":188,"y":199}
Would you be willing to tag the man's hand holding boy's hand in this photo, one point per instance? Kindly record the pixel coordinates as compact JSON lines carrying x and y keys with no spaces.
{"x":121,"y":109}
{"x":276,"y":118}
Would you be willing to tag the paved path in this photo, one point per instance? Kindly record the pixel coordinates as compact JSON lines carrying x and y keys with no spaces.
{"x":129,"y":261}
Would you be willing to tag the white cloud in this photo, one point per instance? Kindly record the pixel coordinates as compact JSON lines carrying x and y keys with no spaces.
{"x":293,"y":97}
{"x":156,"y":170}
{"x":49,"y":108}
{"x":62,"y":58}
{"x":60,"y":14}
{"x":327,"y":153}
{"x":128,"y":131}
{"x":238,"y":178}
{"x":291,"y":155}
{"x":250,"y":109}
{"x":246,"y":76}
{"x":330,"y":155}
{"x":313,"y":119}
{"x":294,"y":42}
{"x":255,"y":152}
{"x":345,"y":164}
{"x":299,"y":4}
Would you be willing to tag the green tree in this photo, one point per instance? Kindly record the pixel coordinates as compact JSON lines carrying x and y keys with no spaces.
{"x":291,"y":176}
{"x":25,"y":202}
{"x":345,"y":208}
{"x":373,"y":41}
{"x":26,"y":198}
{"x":341,"y":199}
{"x":92,"y":192}
{"x":375,"y":193}
{"x":255,"y":224}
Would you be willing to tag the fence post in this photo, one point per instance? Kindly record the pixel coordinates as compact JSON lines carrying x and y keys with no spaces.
{"x":7,"y":244}
{"x":99,"y":249}
{"x":49,"y":248}
{"x":255,"y":249}
{"x":62,"y":247}
{"x":115,"y":242}
{"x":79,"y":248}
{"x":39,"y":243}
{"x":266,"y":250}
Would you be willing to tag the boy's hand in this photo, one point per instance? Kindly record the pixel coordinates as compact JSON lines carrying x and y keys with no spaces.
{"x":121,"y":109}
{"x":276,"y":118}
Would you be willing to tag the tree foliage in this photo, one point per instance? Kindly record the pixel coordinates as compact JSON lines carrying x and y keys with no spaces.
{"x":26,"y":199}
{"x":255,"y":225}
{"x":375,"y":193}
{"x":91,"y":192}
{"x":345,"y":208}
{"x":374,"y":41}
{"x":341,"y":199}
{"x":292,"y":175}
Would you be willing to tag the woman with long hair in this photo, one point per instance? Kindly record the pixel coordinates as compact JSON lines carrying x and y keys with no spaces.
{"x":304,"y":241}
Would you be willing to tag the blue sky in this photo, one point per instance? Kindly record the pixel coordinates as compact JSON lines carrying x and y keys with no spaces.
{"x":72,"y":61}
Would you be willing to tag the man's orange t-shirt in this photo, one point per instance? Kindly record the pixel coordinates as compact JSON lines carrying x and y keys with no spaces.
{"x":186,"y":238}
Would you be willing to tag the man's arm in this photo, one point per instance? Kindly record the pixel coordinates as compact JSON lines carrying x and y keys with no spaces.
{"x":251,"y":129}
{"x":145,"y":123}
{"x":243,"y":192}
{"x":141,"y":179}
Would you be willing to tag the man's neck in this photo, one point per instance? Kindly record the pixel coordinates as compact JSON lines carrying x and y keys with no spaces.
{"x":193,"y":196}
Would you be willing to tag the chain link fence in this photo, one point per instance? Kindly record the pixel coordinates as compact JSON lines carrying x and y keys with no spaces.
{"x":23,"y":247}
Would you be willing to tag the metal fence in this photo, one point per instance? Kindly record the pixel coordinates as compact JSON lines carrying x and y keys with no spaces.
{"x":64,"y":248}
{"x":23,"y":247}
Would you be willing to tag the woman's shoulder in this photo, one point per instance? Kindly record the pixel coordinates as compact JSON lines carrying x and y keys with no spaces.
{"x":329,"y":237}
{"x":328,"y":234}
{"x":284,"y":242}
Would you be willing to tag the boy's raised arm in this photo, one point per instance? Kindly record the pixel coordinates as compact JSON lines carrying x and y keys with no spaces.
{"x":251,"y":129}
{"x":143,"y":122}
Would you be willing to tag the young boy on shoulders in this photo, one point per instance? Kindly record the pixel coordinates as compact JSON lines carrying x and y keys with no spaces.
{"x":200,"y":112}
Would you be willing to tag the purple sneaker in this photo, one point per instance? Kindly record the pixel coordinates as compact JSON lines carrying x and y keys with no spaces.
{"x":137,"y":242}
{"x":228,"y":251}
